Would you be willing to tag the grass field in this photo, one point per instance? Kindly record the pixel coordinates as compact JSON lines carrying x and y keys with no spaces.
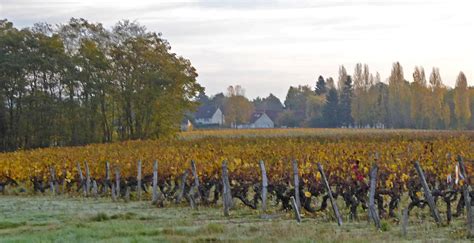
{"x":47,"y":219}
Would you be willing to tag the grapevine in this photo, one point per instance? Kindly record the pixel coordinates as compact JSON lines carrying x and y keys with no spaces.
{"x":346,"y":160}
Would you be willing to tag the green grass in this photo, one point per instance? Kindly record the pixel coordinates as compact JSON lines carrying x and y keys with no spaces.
{"x":47,"y":219}
{"x":9,"y":225}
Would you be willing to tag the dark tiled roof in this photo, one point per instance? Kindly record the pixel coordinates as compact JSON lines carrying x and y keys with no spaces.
{"x":206,"y":111}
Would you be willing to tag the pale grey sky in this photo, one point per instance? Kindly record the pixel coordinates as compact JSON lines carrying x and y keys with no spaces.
{"x":266,"y":46}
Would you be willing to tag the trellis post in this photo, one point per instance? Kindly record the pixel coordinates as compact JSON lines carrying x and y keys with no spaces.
{"x":427,"y":193}
{"x":331,"y":198}
{"x":264,"y":186}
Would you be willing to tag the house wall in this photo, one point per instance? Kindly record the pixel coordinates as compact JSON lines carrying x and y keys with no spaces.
{"x":263,"y":122}
{"x":217,"y":118}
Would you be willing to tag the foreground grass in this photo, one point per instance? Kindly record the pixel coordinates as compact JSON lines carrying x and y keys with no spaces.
{"x":46,"y":219}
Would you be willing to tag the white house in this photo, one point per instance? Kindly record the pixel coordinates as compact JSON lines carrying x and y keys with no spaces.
{"x":259,"y":120}
{"x":208,"y":116}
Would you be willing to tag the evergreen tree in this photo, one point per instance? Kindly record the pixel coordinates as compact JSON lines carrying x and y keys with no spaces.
{"x":269,"y":103}
{"x":320,"y":86}
{"x":202,"y":98}
{"x":218,"y":100}
{"x":330,"y":110}
{"x":345,"y":100}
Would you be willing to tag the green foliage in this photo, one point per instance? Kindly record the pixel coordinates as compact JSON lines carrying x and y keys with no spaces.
{"x":213,"y":228}
{"x":384,"y":226}
{"x":344,"y":108}
{"x":330,"y":110}
{"x":271,"y":103}
{"x":170,"y":224}
{"x":80,"y":83}
{"x":10,"y":225}
{"x":124,"y":216}
{"x":321,"y":88}
{"x":100,"y":217}
{"x":237,"y":108}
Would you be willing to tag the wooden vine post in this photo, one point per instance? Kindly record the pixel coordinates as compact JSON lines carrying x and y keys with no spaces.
{"x":427,"y":193}
{"x":127,"y":194}
{"x":331,"y":198}
{"x":192,"y":202}
{"x":373,"y":183}
{"x":264,"y":186}
{"x":113,"y":193}
{"x":81,"y":178}
{"x":297,"y":184}
{"x":196,"y":180}
{"x":95,"y":191}
{"x":295,"y":209}
{"x":107,"y":177}
{"x":117,"y":182}
{"x":154,"y":198}
{"x":52,"y":180}
{"x":139,"y":180}
{"x":63,"y":189}
{"x":467,"y":197}
{"x":404,"y":222}
{"x":182,"y":187}
{"x":88,"y":178}
{"x":226,"y":192}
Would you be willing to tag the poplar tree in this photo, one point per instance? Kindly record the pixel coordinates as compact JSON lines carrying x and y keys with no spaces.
{"x":462,"y":102}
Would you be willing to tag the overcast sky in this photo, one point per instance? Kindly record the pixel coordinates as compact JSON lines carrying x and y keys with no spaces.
{"x":266,"y":46}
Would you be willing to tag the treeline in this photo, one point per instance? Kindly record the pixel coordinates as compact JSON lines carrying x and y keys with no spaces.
{"x":363,"y":100}
{"x":80,"y":83}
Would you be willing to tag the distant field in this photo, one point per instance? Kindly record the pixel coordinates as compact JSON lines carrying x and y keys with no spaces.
{"x":324,"y":133}
{"x":44,"y":219}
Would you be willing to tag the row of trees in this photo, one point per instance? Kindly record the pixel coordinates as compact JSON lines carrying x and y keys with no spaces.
{"x":362,"y":100}
{"x":80,"y":83}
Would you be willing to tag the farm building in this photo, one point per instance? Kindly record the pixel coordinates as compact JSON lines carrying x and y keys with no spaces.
{"x":209,"y":116}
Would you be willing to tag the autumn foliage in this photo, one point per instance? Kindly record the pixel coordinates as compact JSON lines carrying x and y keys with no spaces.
{"x":337,"y":151}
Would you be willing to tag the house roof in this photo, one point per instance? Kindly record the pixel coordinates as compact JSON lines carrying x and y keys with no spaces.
{"x":256,"y":116}
{"x":270,"y":113}
{"x":206,"y":111}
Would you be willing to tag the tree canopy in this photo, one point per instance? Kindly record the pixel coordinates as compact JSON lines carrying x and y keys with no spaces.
{"x":79,"y":83}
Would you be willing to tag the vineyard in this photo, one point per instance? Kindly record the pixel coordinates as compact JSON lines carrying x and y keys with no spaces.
{"x":243,"y":168}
